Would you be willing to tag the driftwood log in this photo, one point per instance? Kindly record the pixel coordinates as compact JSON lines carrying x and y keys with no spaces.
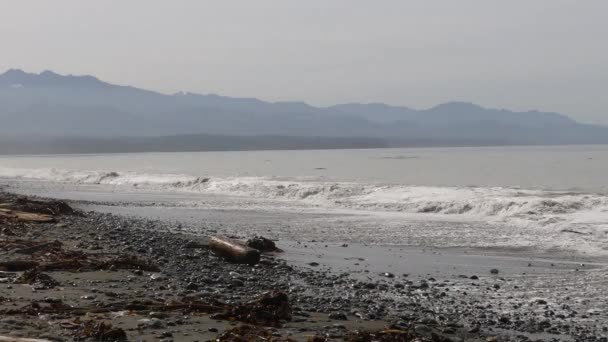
{"x":25,"y":217}
{"x":234,"y":251}
{"x":19,"y":339}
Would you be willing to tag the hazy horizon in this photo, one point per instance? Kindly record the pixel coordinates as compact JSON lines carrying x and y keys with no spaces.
{"x":546,"y":55}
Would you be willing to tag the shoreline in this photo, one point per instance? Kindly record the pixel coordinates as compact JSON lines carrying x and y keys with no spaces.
{"x":548,"y":227}
{"x":468,"y":307}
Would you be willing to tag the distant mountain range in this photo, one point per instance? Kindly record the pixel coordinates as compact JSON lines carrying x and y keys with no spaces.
{"x":79,"y":108}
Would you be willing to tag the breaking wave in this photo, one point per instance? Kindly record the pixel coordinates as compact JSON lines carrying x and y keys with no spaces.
{"x":530,"y":207}
{"x":487,"y":216}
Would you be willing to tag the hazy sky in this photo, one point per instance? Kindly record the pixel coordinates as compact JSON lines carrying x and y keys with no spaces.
{"x":520,"y":54}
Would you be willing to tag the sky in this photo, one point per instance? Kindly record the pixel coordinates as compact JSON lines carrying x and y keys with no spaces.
{"x":548,"y":55}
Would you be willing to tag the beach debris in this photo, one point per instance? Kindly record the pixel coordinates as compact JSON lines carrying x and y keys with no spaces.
{"x":38,"y":308}
{"x":157,"y":277}
{"x":50,"y":256}
{"x":20,"y":339}
{"x":263,"y":244}
{"x":17,"y":265}
{"x":54,"y":207}
{"x":270,"y":309}
{"x":194,"y":245}
{"x":246,"y":333}
{"x":26,"y":210}
{"x":234,"y":251}
{"x":37,"y":279}
{"x":392,"y":335}
{"x":386,"y":335}
{"x":129,"y":262}
{"x":40,"y":247}
{"x":22,"y":216}
{"x":338,"y":316}
{"x":573,"y":231}
{"x":152,"y":323}
{"x":98,"y":331}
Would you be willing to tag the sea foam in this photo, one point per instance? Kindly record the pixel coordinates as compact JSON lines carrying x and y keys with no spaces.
{"x":579,"y":213}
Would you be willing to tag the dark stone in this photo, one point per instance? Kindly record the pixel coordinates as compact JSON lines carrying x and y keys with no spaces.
{"x":338,"y":316}
{"x":262,"y":244}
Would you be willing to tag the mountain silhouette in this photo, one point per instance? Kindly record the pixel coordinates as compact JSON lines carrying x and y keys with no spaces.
{"x":52,"y":105}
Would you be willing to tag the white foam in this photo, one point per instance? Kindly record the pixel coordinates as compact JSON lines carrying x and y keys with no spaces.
{"x":553,"y":212}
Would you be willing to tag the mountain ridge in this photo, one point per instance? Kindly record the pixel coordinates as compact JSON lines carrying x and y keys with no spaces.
{"x":54,"y":105}
{"x":47,"y":77}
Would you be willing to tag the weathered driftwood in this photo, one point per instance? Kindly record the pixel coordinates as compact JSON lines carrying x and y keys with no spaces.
{"x":19,"y":339}
{"x":234,"y":251}
{"x":26,"y":217}
{"x":17,"y":265}
{"x":40,"y":247}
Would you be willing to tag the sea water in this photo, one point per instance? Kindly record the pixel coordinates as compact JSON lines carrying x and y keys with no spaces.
{"x":545,"y":197}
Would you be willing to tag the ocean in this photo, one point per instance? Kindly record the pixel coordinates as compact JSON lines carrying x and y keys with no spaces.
{"x":547,"y":198}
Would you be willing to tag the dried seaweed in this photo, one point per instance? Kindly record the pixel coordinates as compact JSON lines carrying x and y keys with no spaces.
{"x":17,"y":265}
{"x":390,"y":335}
{"x":270,"y":310}
{"x":54,"y":208}
{"x":248,"y":333}
{"x":98,"y":331}
{"x":37,"y":279}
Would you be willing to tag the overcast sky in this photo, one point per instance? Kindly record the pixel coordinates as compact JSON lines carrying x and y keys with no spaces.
{"x":549,"y":55}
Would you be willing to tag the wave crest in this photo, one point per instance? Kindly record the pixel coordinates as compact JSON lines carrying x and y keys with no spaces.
{"x":541,"y":207}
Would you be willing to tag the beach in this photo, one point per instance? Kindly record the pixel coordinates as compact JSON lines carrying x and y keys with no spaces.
{"x":485,"y":263}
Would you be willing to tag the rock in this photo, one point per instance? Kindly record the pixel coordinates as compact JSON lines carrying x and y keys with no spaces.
{"x":544,"y":324}
{"x":237,"y":283}
{"x":474,"y":330}
{"x":153,"y":323}
{"x":158,"y":315}
{"x":263,"y":244}
{"x":338,"y":316}
{"x":165,"y":334}
{"x":428,"y":321}
{"x":192,"y":286}
{"x":157,"y":277}
{"x":422,"y":329}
